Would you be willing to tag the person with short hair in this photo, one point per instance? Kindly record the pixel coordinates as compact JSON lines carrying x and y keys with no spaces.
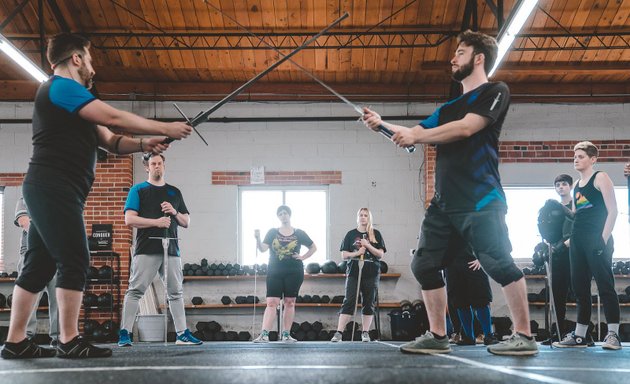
{"x":155,"y":209}
{"x":366,"y":243}
{"x":469,"y":201}
{"x":285,"y":272}
{"x":69,"y":123}
{"x":591,"y":248}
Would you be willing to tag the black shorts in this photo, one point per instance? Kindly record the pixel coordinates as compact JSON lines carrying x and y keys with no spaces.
{"x":285,"y":283}
{"x":57,"y":241}
{"x":485,"y":232}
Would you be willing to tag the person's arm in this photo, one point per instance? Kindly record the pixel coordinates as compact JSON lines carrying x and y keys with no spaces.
{"x":134,"y":220}
{"x":104,"y":114}
{"x":606,"y":187}
{"x":308,"y":254}
{"x":262,"y":247}
{"x":378,"y":253}
{"x":349,"y":255}
{"x":123,"y":145}
{"x":183,"y":219}
{"x":21,"y":219}
{"x":445,"y":133}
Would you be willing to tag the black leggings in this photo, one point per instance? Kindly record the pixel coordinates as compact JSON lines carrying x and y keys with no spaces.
{"x":560,"y":282}
{"x":591,"y":258}
{"x":57,"y":241}
{"x":369,"y":285}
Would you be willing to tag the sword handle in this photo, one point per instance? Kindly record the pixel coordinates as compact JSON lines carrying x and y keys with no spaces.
{"x":388,"y":133}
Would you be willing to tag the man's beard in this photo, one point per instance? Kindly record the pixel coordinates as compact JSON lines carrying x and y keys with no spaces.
{"x":156,"y":176}
{"x":464,"y":71}
{"x":86,"y":78}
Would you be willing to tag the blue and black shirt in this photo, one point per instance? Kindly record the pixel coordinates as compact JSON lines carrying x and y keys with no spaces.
{"x":64,"y":144}
{"x":146,"y":199}
{"x":467,"y":171}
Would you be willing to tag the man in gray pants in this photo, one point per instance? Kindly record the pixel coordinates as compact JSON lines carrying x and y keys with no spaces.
{"x":23,"y":220}
{"x":155,"y":209}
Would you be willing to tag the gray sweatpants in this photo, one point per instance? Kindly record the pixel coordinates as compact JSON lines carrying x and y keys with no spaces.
{"x":53,"y":312}
{"x":143,"y":271}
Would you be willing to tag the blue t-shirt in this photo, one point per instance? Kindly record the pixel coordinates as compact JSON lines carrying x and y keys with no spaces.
{"x":64,"y":144}
{"x":467,"y":171}
{"x":146,"y":199}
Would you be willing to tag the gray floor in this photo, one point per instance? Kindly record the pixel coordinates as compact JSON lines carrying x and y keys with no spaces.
{"x":320,"y":362}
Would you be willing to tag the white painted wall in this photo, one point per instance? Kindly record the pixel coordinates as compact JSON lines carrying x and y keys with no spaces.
{"x":363,"y":157}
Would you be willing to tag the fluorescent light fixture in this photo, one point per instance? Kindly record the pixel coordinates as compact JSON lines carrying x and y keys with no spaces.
{"x":515,"y":23}
{"x":22,"y":60}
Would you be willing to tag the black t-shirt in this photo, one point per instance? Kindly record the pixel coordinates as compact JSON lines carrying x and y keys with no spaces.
{"x":352,"y":242}
{"x":467,"y":171}
{"x":64,"y":144}
{"x":145,"y":198}
{"x":282,"y":248}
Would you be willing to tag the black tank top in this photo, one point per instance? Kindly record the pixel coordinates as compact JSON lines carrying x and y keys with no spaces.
{"x":590,"y":210}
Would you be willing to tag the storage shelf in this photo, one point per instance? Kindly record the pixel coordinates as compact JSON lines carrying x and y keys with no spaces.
{"x":539,"y":277}
{"x":306,"y":276}
{"x":262,"y":305}
{"x":541,"y":304}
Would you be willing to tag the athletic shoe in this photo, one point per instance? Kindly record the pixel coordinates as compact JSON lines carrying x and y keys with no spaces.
{"x":337,"y":337}
{"x":54,"y":343}
{"x":589,"y":340}
{"x":611,"y":341}
{"x":187,"y":338}
{"x":124,"y":338}
{"x":365,"y":337}
{"x":25,"y":349}
{"x":427,"y":344}
{"x":571,"y":340}
{"x":79,"y":348}
{"x":490,"y":340}
{"x":262,"y":338}
{"x":286,"y":337}
{"x":465,"y":340}
{"x":516,"y":345}
{"x":455,"y":337}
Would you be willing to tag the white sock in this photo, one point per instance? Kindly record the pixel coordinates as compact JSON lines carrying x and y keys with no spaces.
{"x":612,"y":327}
{"x":580,"y":330}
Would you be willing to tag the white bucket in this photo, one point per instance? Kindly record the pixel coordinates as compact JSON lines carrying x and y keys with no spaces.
{"x":151,"y":328}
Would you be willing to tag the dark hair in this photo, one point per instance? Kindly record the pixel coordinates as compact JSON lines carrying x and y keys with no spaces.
{"x":147,"y":156}
{"x":283,"y":208}
{"x":563,"y":177}
{"x":62,"y":46}
{"x":481,"y":43}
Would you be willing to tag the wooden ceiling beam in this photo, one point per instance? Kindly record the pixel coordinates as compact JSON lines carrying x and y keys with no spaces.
{"x":195,"y":91}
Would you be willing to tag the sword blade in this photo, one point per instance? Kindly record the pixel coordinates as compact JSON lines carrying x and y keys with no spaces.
{"x":204,"y":117}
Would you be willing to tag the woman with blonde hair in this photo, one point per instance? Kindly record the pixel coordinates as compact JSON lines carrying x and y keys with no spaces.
{"x":362,"y":243}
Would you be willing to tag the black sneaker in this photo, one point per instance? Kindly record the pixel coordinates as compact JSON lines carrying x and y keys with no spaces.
{"x":491,"y":339}
{"x":465,"y":340}
{"x":25,"y":349}
{"x":571,"y":340}
{"x":79,"y":348}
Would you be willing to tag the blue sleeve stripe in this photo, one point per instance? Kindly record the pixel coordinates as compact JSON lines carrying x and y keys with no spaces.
{"x":133,"y":199}
{"x":69,"y":95}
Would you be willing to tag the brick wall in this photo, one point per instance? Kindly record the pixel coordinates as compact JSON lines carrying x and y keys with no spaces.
{"x":278,"y":178}
{"x":534,"y":152}
{"x":105,"y":204}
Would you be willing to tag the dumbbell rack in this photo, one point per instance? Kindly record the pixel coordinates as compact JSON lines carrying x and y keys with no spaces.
{"x":111,"y":259}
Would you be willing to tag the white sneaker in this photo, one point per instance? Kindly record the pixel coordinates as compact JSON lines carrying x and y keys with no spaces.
{"x":337,"y":337}
{"x":262,"y":338}
{"x":365,"y":337}
{"x":286,"y":338}
{"x":612,"y":341}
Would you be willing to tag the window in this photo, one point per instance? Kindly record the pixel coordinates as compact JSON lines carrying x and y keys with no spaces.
{"x":1,"y":228}
{"x":309,"y":207}
{"x":522,"y":216}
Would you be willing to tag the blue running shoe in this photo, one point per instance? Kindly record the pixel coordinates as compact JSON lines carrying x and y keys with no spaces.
{"x":124,"y":338}
{"x":187,"y":338}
